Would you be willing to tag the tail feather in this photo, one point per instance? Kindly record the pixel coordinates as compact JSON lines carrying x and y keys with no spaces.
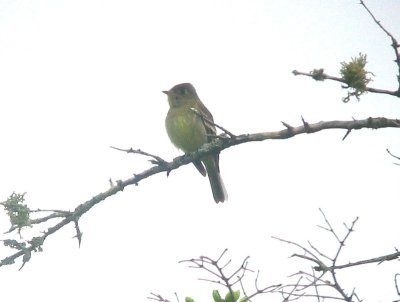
{"x":217,"y":185}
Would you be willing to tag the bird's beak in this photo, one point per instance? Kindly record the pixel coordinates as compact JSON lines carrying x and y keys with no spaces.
{"x":166,"y":92}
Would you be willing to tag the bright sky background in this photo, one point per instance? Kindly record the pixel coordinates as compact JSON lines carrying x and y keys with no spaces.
{"x":79,"y":76}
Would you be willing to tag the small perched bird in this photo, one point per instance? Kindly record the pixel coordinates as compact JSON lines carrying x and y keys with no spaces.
{"x":188,"y":131}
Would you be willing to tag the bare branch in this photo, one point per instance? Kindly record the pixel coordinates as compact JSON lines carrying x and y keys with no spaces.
{"x":396,"y":157}
{"x":395,"y":45}
{"x":396,"y":276}
{"x":378,"y":260}
{"x":216,"y":145}
{"x":327,"y":277}
{"x":157,"y":297}
{"x":329,"y":229}
{"x":312,"y":257}
{"x":320,"y":253}
{"x":157,"y":160}
{"x":340,"y":80}
{"x":217,"y":270}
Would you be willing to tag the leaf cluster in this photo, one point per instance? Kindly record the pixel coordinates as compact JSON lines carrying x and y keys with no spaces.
{"x":17,"y":210}
{"x":354,"y":74}
{"x":229,"y":297}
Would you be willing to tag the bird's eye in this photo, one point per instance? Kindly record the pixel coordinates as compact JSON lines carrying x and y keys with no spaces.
{"x":184,"y":91}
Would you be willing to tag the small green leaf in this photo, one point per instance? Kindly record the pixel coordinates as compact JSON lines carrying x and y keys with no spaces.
{"x":189,"y":299}
{"x":217,"y":296}
{"x":244,"y":299}
{"x":236,"y":295}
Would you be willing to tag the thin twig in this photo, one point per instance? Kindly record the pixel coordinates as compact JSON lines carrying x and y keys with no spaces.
{"x":157,"y":160}
{"x":394,"y":156}
{"x":395,"y":45}
{"x":330,"y":229}
{"x":340,"y":80}
{"x":212,"y":122}
{"x":157,"y":297}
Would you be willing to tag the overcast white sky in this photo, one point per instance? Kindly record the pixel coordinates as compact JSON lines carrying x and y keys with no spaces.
{"x":79,"y":76}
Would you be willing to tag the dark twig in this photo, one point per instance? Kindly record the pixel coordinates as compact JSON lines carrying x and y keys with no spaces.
{"x":396,"y":283}
{"x":394,"y":156}
{"x":320,"y":253}
{"x":78,"y":235}
{"x":395,"y":45}
{"x":217,"y":270}
{"x":156,"y":159}
{"x":287,"y":295}
{"x":346,"y":135}
{"x":325,"y":270}
{"x":340,"y":80}
{"x":308,"y":255}
{"x":329,"y":229}
{"x":377,"y":260}
{"x":156,"y":297}
{"x":212,"y":122}
{"x":316,"y":286}
{"x":221,"y":277}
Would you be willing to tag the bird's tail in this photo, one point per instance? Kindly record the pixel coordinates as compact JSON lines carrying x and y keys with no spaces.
{"x":217,"y":185}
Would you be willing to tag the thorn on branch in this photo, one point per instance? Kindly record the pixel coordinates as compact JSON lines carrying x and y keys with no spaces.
{"x":25,"y":258}
{"x":347,"y":133}
{"x":306,"y":125}
{"x":78,"y":232}
{"x":136,"y":183}
{"x":289,"y":128}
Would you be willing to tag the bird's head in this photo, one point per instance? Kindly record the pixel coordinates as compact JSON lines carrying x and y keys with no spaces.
{"x":181,"y":94}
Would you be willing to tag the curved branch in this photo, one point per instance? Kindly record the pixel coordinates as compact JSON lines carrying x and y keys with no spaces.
{"x":216,"y":145}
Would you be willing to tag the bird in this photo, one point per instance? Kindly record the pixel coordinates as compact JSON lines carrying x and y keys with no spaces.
{"x":190,"y":125}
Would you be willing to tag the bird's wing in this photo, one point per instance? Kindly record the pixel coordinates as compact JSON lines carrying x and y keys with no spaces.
{"x":210,"y":128}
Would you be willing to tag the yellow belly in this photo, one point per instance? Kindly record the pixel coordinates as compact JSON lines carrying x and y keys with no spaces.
{"x":185,"y":129}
